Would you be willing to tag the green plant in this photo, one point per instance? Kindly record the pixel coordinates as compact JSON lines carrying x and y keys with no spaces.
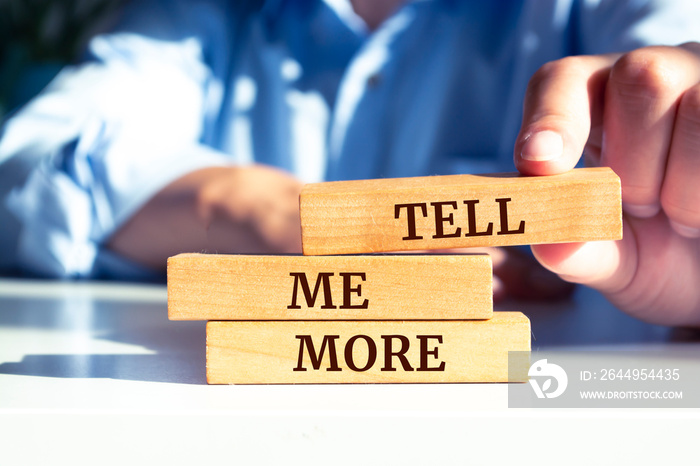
{"x":44,"y":31}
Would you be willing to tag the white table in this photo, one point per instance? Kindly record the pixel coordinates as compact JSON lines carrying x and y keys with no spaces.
{"x":94,"y":373}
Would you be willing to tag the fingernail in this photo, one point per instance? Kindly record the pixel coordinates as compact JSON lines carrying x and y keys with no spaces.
{"x":543,"y":146}
{"x":684,"y":230}
{"x":641,"y":210}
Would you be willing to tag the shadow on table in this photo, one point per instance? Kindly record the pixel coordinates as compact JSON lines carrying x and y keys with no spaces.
{"x":168,"y":368}
{"x":159,"y":350}
{"x":89,"y":329}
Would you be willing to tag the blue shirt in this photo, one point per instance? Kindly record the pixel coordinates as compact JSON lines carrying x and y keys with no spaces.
{"x":301,"y":85}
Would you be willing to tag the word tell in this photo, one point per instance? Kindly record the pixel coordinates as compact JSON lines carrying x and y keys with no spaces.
{"x":441,"y":218}
{"x":438,"y":212}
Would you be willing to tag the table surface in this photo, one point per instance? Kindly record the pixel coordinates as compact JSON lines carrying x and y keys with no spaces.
{"x":88,"y":366}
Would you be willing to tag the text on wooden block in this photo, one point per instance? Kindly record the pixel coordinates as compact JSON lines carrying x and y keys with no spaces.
{"x":380,"y":287}
{"x":456,"y":211}
{"x":367,"y":352}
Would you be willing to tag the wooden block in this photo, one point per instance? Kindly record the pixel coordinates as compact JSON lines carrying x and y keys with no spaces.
{"x":347,"y":217}
{"x":380,"y":287}
{"x":366,"y":352}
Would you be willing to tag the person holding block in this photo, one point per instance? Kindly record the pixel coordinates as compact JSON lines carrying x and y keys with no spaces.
{"x":638,"y":113}
{"x":194,"y":124}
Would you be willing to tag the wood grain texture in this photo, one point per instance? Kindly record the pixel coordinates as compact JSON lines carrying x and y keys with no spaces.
{"x":467,"y":351}
{"x":348,"y":217}
{"x":380,"y":287}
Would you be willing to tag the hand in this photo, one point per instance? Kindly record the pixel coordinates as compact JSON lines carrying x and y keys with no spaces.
{"x":251,"y":210}
{"x":638,"y":113}
{"x":516,"y":275}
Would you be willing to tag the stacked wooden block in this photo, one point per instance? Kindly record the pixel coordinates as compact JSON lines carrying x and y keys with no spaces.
{"x":332,"y":317}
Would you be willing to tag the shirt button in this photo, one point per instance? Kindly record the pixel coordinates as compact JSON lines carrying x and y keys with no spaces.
{"x":374,"y":81}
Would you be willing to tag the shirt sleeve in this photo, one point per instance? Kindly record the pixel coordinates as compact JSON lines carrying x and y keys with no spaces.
{"x":107,"y":135}
{"x":622,"y":25}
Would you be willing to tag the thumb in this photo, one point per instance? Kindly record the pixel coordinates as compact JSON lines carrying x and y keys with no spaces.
{"x":607,"y":266}
{"x":560,"y":108}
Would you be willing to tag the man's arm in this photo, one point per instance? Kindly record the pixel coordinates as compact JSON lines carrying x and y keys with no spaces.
{"x":110,"y":133}
{"x":253,"y":210}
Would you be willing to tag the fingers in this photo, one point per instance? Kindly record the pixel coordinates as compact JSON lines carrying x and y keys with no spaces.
{"x":643,"y":117}
{"x":680,"y":195}
{"x":562,"y":103}
{"x":642,"y":98}
{"x":517,"y":275}
{"x":608,"y":266}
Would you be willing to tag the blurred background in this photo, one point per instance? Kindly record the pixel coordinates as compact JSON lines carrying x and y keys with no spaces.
{"x":38,"y":37}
